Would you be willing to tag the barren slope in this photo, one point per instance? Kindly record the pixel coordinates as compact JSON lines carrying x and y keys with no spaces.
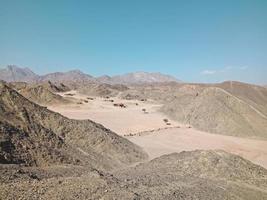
{"x":39,"y":94}
{"x":138,"y":78}
{"x":103,"y":148}
{"x":254,"y":95}
{"x":166,"y":141}
{"x":73,"y":76}
{"x":101,"y":89}
{"x":230,"y":108}
{"x":13,"y":73}
{"x":217,"y":111}
{"x":42,"y":93}
{"x":197,"y":175}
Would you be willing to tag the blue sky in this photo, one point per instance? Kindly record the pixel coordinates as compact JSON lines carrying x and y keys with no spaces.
{"x":194,"y":40}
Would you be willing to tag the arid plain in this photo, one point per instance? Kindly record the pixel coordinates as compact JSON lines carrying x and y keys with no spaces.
{"x":68,"y":135}
{"x":148,"y":129}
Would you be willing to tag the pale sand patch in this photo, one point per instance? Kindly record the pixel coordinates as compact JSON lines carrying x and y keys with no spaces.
{"x":132,"y":120}
{"x":123,"y":121}
{"x":183,"y":139}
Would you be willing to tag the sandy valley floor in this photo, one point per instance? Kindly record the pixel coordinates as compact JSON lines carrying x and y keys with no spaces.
{"x":153,"y":134}
{"x":123,"y":121}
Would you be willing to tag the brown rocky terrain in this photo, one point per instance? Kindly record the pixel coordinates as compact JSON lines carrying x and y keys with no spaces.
{"x":73,"y":76}
{"x":44,"y":155}
{"x":217,"y":111}
{"x":197,"y":175}
{"x":229,"y":108}
{"x":34,"y":124}
{"x":54,"y":87}
{"x":39,"y":94}
{"x":188,"y":175}
{"x":137,"y":78}
{"x":253,"y":95}
{"x":102,"y":90}
{"x":42,"y":93}
{"x":13,"y":73}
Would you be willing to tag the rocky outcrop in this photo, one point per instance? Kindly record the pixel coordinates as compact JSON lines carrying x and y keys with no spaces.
{"x":97,"y":145}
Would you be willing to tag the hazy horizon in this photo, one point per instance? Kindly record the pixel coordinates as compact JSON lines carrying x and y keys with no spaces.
{"x":64,"y":71}
{"x":205,"y":42}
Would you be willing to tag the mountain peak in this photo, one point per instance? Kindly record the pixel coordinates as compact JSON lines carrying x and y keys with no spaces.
{"x":12,"y":67}
{"x":69,"y":76}
{"x":75,"y":71}
{"x":143,"y":78}
{"x":15,"y":73}
{"x":16,"y":68}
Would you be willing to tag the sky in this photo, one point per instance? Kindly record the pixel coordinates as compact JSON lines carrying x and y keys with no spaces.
{"x":193,"y":40}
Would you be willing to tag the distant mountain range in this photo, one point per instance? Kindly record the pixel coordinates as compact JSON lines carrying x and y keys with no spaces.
{"x":13,"y":73}
{"x":138,"y":77}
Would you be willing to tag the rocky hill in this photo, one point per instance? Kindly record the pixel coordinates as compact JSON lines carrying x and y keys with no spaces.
{"x":73,"y":76}
{"x":41,"y":93}
{"x":13,"y":73}
{"x":196,"y":175}
{"x":230,"y":108}
{"x":216,"y":110}
{"x":160,"y":92}
{"x":99,"y":89}
{"x":253,"y":95}
{"x":138,"y":78}
{"x":38,"y":136}
{"x":44,"y":155}
{"x":104,"y":79}
{"x":55,"y":87}
{"x":76,"y":78}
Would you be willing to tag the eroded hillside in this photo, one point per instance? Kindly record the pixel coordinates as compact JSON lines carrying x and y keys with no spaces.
{"x":33,"y":123}
{"x":193,"y":175}
{"x":229,"y":108}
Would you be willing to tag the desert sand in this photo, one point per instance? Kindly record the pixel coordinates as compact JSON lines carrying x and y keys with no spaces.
{"x":150,"y":131}
{"x":123,"y":121}
{"x":184,"y":139}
